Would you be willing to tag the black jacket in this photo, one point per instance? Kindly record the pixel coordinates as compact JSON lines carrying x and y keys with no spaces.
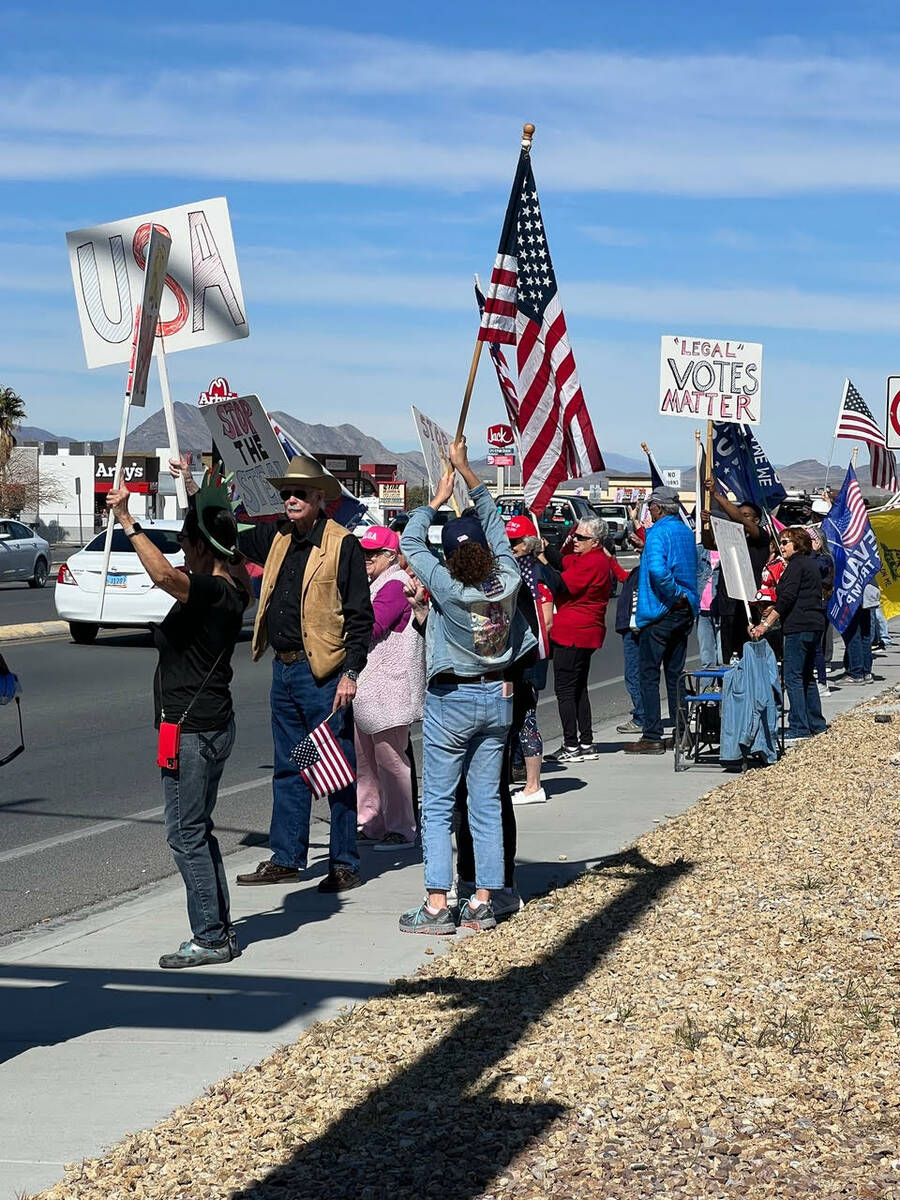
{"x":799,"y":600}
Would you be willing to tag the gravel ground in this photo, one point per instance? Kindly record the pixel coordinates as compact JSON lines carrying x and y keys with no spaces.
{"x":712,"y":1013}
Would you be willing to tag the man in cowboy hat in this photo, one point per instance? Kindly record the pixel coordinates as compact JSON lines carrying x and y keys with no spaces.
{"x":315,"y":612}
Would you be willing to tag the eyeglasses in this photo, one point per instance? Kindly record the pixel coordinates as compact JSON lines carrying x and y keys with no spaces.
{"x":785,"y":542}
{"x":293,"y":493}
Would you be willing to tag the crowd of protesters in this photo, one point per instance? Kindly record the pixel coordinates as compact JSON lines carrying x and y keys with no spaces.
{"x":371,"y":635}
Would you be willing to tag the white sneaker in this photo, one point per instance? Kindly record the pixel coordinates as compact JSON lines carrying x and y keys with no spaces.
{"x":824,"y":689}
{"x":538,"y":797}
{"x":505,"y":903}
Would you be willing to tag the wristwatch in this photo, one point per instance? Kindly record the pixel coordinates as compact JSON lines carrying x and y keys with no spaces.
{"x":351,"y":675}
{"x":136,"y":528}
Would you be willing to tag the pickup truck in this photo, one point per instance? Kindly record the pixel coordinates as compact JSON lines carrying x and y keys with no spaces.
{"x":617,"y":520}
{"x":557,"y":520}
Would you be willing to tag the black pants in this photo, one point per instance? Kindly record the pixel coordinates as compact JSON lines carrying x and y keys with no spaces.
{"x":571,"y":667}
{"x":465,"y":849}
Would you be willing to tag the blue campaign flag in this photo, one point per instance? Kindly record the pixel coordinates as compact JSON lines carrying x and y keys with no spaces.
{"x":741,"y":466}
{"x":855,"y":550}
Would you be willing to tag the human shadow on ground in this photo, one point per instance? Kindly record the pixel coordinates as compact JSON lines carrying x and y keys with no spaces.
{"x":438,"y":1130}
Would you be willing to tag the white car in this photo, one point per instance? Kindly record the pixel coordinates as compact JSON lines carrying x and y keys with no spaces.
{"x":132,"y":600}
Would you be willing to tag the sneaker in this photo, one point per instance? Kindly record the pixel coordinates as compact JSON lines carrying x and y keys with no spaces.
{"x":190,"y":954}
{"x":506,"y":902}
{"x":645,"y":746}
{"x":394,"y":841}
{"x":879,"y":652}
{"x":538,"y":797}
{"x":422,"y":920}
{"x":587,"y":751}
{"x":824,"y":689}
{"x":362,"y":836}
{"x":629,"y":727}
{"x":269,"y":872}
{"x":566,"y":754}
{"x":339,"y":879}
{"x":853,"y":681}
{"x":475,"y":915}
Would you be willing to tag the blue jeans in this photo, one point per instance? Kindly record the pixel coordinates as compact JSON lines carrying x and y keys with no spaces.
{"x":662,"y":645}
{"x":189,"y":795}
{"x":299,"y":704}
{"x":708,"y":637}
{"x":858,"y":642}
{"x":631,"y":654}
{"x":880,"y":631}
{"x":805,"y":716}
{"x":464,"y":731}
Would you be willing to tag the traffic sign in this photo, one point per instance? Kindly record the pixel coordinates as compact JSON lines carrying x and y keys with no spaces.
{"x":893,"y":412}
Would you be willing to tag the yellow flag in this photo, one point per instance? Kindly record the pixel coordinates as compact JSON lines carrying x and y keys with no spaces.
{"x":886,"y":527}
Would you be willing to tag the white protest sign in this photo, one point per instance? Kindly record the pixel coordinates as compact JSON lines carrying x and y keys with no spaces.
{"x":202,"y":302}
{"x":734,"y":560}
{"x":671,"y":477}
{"x":250,"y":448}
{"x":709,"y":380}
{"x":435,"y":445}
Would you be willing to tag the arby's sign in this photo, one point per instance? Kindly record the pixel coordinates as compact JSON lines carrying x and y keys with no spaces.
{"x":709,"y":379}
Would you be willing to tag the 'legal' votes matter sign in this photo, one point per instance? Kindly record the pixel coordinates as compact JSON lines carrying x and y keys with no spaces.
{"x":709,"y":380}
{"x":202,"y":300}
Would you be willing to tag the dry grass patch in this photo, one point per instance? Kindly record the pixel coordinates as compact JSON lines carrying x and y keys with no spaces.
{"x":714,"y":1013}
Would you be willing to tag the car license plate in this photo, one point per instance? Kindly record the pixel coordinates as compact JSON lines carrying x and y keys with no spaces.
{"x":116,"y":581}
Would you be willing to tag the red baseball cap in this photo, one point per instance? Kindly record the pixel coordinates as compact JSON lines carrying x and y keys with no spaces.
{"x":520,"y":527}
{"x":377,"y":537}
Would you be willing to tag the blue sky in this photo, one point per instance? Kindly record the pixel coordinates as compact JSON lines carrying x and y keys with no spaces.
{"x":702,"y":172}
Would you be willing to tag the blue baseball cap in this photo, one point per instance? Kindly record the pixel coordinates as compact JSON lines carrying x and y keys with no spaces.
{"x":456,"y":533}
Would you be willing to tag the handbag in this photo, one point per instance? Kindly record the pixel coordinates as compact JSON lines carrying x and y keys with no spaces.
{"x":169,"y":741}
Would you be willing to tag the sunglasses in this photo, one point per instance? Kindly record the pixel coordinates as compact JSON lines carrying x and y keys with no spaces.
{"x":293,"y":493}
{"x":582,"y":537}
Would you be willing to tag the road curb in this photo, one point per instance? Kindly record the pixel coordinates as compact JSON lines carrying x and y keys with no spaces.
{"x":35,"y":629}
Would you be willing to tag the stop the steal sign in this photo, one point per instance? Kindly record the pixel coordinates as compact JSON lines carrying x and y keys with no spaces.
{"x":710,"y":379}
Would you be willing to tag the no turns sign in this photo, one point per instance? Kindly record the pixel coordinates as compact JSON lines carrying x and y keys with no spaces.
{"x":893,"y":412}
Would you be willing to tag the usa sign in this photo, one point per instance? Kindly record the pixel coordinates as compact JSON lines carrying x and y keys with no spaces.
{"x":500,"y":436}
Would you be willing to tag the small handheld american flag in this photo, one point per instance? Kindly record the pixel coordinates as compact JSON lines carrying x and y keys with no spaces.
{"x":323,"y":764}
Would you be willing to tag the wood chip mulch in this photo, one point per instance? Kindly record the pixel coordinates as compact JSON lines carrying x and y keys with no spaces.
{"x":712,"y":1013}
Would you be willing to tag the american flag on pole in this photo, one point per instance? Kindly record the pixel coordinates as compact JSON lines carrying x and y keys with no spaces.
{"x":507,"y":383}
{"x":856,"y":421}
{"x":522,"y":308}
{"x":323,"y":764}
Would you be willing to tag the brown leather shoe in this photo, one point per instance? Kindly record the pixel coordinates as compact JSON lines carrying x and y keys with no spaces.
{"x":340,"y":879}
{"x":644,"y":746}
{"x":269,"y":872}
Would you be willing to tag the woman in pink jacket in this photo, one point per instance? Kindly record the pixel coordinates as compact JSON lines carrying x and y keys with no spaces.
{"x":389,"y":697}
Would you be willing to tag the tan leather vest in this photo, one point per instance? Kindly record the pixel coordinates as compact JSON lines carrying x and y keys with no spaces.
{"x":321,"y":612}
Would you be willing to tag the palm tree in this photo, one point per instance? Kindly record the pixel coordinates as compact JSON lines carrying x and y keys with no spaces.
{"x":12,"y":413}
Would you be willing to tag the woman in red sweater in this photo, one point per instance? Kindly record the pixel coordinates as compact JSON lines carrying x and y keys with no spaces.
{"x":579,"y":628}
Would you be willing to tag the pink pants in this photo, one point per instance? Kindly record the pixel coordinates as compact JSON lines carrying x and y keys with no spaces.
{"x":384,"y":784}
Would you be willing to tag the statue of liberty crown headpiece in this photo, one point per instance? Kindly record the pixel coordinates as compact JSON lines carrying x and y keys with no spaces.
{"x":216,"y":492}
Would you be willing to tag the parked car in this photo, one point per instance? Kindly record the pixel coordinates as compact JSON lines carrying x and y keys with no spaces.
{"x":618,"y":522}
{"x":24,"y":557}
{"x":132,"y":600}
{"x":557,"y":520}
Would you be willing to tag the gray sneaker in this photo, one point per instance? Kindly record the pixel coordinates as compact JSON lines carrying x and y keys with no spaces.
{"x":190,"y":954}
{"x":566,"y":754}
{"x":421,"y":920}
{"x":477,"y":915}
{"x":587,"y":751}
{"x":629,"y":727}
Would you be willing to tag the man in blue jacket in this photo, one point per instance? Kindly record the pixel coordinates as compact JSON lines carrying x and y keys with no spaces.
{"x":666,"y":607}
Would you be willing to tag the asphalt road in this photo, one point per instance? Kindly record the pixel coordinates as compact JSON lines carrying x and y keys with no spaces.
{"x":80,"y":819}
{"x":20,"y":604}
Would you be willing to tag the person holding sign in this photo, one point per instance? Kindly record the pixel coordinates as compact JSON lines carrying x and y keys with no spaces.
{"x":732,"y":617}
{"x":801,"y":609}
{"x":666,"y":607}
{"x":315,"y":612}
{"x":192,"y":698}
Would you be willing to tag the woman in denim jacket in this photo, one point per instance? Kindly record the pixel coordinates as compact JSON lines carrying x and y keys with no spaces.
{"x":474,"y":633}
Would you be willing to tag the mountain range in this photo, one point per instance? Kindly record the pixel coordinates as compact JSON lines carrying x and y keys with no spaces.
{"x":193,"y":434}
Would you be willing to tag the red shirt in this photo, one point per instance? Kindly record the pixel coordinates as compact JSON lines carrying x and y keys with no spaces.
{"x":581,"y":609}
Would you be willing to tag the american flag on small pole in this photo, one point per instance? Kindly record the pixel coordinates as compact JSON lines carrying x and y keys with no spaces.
{"x":522,"y":308}
{"x":323,"y":764}
{"x":855,"y":421}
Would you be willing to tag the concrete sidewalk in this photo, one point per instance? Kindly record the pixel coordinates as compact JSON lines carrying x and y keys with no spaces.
{"x":96,"y":1041}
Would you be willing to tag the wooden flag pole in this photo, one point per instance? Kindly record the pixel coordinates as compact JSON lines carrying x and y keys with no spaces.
{"x":527,"y":135}
{"x":708,"y":484}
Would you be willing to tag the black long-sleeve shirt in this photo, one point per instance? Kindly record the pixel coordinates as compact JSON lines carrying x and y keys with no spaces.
{"x":799,"y":600}
{"x":283,"y":614}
